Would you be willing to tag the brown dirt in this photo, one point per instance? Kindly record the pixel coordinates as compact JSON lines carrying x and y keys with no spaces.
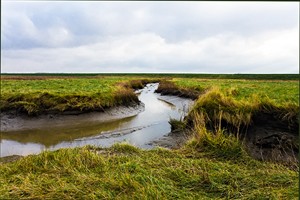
{"x":174,"y":140}
{"x":272,"y":139}
{"x":10,"y":159}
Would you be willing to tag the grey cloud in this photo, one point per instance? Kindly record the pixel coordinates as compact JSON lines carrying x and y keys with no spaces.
{"x":150,"y":36}
{"x":148,"y":52}
{"x":175,"y":21}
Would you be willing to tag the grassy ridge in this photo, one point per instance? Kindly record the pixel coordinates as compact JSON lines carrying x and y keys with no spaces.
{"x":236,"y":101}
{"x":80,"y":94}
{"x":125,"y":172}
{"x":238,"y":108}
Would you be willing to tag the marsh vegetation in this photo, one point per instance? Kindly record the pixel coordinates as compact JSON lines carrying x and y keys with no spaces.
{"x":230,"y":118}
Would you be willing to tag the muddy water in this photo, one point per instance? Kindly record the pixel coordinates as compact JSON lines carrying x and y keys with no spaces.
{"x":138,"y":126}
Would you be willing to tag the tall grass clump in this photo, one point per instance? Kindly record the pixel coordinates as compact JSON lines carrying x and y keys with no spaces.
{"x":214,"y":143}
{"x":217,"y":108}
{"x":220,"y":109}
{"x":220,"y":124}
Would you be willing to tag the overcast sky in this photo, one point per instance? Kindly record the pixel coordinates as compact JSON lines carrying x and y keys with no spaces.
{"x":190,"y":37}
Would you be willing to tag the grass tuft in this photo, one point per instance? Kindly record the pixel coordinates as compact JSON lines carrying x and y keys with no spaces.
{"x":215,"y":144}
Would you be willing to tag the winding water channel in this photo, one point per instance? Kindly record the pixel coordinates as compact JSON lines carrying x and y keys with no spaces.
{"x":138,"y":126}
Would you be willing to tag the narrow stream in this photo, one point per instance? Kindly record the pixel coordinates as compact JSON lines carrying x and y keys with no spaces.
{"x":150,"y":124}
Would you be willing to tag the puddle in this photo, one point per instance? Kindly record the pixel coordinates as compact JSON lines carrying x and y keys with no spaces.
{"x":137,"y":126}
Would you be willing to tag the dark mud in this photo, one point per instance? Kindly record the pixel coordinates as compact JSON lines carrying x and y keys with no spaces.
{"x":11,"y":158}
{"x":272,"y":139}
{"x":174,"y":140}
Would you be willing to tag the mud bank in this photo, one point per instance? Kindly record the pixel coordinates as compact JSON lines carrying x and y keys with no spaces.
{"x":272,"y":139}
{"x":169,"y":88}
{"x":13,"y":121}
{"x":268,"y":137}
{"x":174,"y":140}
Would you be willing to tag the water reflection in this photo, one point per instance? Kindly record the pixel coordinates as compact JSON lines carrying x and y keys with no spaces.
{"x":138,"y":130}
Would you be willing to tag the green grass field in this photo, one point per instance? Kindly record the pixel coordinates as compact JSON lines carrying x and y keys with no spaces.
{"x":98,"y":92}
{"x":125,"y":172}
{"x":281,"y":92}
{"x":211,"y":165}
{"x":81,"y":94}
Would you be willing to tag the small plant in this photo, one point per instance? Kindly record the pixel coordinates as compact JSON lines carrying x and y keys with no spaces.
{"x":177,"y":125}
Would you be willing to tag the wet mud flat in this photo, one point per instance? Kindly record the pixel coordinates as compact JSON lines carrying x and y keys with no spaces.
{"x":14,"y":121}
{"x":174,"y":140}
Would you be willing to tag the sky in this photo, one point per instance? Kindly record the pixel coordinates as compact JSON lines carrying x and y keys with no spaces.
{"x":151,"y":37}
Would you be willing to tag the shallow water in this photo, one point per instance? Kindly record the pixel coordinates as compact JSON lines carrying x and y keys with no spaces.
{"x":72,"y":131}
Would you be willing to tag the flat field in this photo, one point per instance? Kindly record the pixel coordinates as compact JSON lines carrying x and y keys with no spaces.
{"x":34,"y":94}
{"x":281,"y":92}
{"x":38,"y":94}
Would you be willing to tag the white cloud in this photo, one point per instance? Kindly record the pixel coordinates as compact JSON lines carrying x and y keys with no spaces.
{"x":233,"y":37}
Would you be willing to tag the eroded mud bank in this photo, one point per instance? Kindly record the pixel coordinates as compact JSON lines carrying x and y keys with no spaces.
{"x":269,"y":138}
{"x":12,"y":121}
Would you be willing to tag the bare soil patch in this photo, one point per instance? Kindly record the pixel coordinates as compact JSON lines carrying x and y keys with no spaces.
{"x":271,"y":139}
{"x":174,"y":140}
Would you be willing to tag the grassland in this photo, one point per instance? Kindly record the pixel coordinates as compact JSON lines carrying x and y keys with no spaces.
{"x":238,"y":100}
{"x":43,"y":94}
{"x":212,"y":165}
{"x":280,"y":92}
{"x":125,"y":172}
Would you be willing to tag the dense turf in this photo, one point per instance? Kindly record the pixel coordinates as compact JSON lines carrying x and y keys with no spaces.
{"x":81,"y":94}
{"x":124,"y":172}
{"x":281,"y":92}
